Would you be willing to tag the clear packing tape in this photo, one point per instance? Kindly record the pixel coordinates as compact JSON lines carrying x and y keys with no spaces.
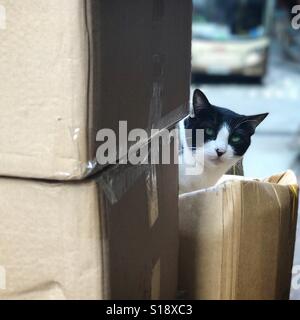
{"x":155,"y":121}
{"x":116,"y":233}
{"x":117,"y":179}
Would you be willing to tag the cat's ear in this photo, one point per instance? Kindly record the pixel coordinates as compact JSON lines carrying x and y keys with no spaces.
{"x":257,"y":119}
{"x":199,"y":101}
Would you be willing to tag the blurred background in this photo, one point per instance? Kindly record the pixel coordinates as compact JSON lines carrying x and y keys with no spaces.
{"x":246,"y":57}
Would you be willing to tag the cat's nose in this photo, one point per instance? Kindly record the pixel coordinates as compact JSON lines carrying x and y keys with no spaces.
{"x":220,"y":152}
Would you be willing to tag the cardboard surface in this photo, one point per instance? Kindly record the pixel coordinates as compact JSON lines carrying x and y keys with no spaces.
{"x":70,"y":68}
{"x":237,"y":239}
{"x":68,"y":241}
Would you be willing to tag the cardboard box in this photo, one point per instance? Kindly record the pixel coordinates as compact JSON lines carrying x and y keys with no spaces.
{"x":70,"y":68}
{"x":237,"y":239}
{"x":114,"y":237}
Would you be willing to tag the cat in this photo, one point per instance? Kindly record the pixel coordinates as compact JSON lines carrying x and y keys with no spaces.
{"x":227,"y":137}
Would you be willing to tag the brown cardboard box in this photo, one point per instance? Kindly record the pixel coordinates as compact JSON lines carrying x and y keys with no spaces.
{"x":70,"y":68}
{"x":115,"y":237}
{"x":237,"y":239}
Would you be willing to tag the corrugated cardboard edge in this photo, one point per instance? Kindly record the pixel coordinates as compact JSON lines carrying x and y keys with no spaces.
{"x":105,"y":274}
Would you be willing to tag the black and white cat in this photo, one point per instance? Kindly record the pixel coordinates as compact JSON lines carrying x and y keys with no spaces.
{"x":227,"y":136}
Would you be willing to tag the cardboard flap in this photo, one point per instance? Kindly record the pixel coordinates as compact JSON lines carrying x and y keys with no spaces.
{"x":286,"y":178}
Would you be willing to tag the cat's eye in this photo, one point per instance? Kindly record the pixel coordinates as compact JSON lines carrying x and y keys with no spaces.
{"x":210,"y":132}
{"x":235,"y":138}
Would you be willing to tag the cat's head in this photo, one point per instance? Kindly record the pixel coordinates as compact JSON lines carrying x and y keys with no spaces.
{"x":227,"y":135}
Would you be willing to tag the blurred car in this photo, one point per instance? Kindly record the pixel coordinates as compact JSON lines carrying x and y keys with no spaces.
{"x":231,"y":37}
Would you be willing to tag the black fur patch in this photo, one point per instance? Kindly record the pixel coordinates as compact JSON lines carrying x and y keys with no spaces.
{"x":207,"y":116}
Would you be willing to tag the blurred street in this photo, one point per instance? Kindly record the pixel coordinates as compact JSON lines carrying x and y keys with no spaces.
{"x":280,"y":132}
{"x":276,"y":145}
